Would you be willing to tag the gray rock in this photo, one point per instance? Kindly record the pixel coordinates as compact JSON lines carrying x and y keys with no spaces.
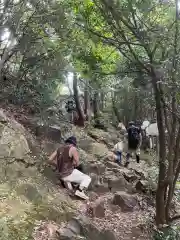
{"x":101,"y":188}
{"x":97,"y":209}
{"x":97,"y":168}
{"x":146,"y":186}
{"x":74,"y":226}
{"x":50,"y":132}
{"x":94,"y":181}
{"x":67,"y":234}
{"x":125,"y":201}
{"x":111,"y":165}
{"x":88,"y":231}
{"x":13,"y":143}
{"x":107,"y":235}
{"x":128,"y":174}
{"x":116,"y":183}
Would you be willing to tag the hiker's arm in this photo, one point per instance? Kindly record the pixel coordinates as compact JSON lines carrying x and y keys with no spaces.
{"x":140,"y":140}
{"x":52,"y":158}
{"x":75,"y":156}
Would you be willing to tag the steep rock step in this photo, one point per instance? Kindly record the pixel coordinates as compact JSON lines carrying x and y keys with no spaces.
{"x":125,"y":201}
{"x":82,"y":228}
{"x":106,"y":138}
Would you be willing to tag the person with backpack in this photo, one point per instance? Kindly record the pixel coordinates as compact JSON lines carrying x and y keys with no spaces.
{"x":66,"y":158}
{"x":134,"y":142}
{"x":70,"y":109}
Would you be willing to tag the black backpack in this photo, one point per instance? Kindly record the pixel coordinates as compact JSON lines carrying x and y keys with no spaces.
{"x":70,"y":106}
{"x":133,"y":136}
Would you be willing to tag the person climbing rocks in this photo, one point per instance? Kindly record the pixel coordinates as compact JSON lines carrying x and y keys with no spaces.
{"x":67,"y":160}
{"x":116,"y":154}
{"x":134,"y":142}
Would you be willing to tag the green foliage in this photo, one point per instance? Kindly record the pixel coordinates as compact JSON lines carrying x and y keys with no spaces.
{"x":16,"y":231}
{"x":34,"y":60}
{"x":170,"y":233}
{"x":104,"y":43}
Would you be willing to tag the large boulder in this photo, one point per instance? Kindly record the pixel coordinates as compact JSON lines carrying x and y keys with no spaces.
{"x":110,"y":139}
{"x":115,"y":183}
{"x":26,"y":195}
{"x":85,"y":158}
{"x":94,"y":181}
{"x":82,"y":228}
{"x":96,"y":168}
{"x":50,"y":132}
{"x":128,"y":174}
{"x":101,"y":188}
{"x":99,"y":150}
{"x":13,"y":143}
{"x":125,"y":201}
{"x":97,"y":209}
{"x":145,"y":186}
{"x":43,"y":129}
{"x":48,"y":147}
{"x":85,"y":144}
{"x":111,"y":165}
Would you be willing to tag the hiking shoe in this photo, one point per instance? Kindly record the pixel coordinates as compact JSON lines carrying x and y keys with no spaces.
{"x":137,"y":158}
{"x":118,"y":162}
{"x":126,"y":164}
{"x":81,"y":194}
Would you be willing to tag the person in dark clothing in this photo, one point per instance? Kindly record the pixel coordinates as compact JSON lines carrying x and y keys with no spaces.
{"x":134,"y":142}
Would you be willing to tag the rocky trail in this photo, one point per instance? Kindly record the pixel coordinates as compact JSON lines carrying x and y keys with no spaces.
{"x":33,"y":204}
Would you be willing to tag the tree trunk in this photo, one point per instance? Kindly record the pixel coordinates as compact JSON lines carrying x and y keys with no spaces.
{"x":116,"y":112}
{"x":80,"y":115}
{"x":102,"y":101}
{"x":87,"y":103}
{"x":96,"y":105}
{"x":167,"y":175}
{"x":161,"y":190}
{"x":136,"y":106}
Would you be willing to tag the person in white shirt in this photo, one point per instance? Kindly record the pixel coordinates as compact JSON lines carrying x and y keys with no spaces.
{"x":118,"y":149}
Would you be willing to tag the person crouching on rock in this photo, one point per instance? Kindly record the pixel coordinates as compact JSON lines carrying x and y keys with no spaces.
{"x":67,"y":161}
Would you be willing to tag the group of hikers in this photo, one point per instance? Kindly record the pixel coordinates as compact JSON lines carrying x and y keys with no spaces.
{"x":131,"y":144}
{"x":70,"y":171}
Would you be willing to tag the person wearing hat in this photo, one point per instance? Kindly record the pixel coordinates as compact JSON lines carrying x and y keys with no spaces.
{"x":67,"y":161}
